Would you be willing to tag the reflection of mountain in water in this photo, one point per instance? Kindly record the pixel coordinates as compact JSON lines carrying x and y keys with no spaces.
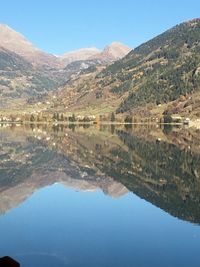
{"x":165,"y":173}
{"x":28,"y":164}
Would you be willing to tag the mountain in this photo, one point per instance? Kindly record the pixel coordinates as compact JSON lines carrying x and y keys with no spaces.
{"x":108,"y":55}
{"x":160,"y":70}
{"x":159,"y":165}
{"x":13,"y":73}
{"x":161,"y":74}
{"x":12,"y":61}
{"x":17,"y":43}
{"x":35,"y":164}
{"x":112,"y":53}
{"x":78,"y":55}
{"x":22,"y":82}
{"x":153,"y":164}
{"x":158,"y":77}
{"x":27,"y":74}
{"x":12,"y":196}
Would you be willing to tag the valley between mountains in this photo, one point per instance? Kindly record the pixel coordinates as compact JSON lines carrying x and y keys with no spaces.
{"x":159,"y":79}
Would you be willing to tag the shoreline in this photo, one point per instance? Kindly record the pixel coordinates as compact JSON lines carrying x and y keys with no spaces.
{"x":89,"y":123}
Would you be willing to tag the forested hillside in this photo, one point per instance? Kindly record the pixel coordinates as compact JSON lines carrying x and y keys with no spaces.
{"x":160,"y":70}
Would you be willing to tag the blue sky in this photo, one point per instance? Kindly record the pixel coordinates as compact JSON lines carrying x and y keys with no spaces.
{"x":62,"y":25}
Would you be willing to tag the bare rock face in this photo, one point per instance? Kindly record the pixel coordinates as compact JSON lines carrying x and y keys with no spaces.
{"x":17,"y":43}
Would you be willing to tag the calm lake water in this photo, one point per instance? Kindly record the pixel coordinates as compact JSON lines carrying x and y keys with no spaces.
{"x":103,"y":197}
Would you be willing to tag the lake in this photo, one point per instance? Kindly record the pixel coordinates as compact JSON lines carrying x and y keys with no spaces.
{"x":100,"y":196}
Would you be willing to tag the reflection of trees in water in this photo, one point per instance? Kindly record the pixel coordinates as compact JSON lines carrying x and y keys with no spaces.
{"x":164,"y":174}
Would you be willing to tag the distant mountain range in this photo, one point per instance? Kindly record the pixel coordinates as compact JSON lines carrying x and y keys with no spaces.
{"x":160,"y":75}
{"x":108,"y":55}
{"x":27,"y":73}
{"x":160,"y":166}
{"x":17,"y":43}
{"x":34,"y":164}
{"x":77,"y":55}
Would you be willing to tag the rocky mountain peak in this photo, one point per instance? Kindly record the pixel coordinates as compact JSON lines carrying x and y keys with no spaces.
{"x":111,"y":53}
{"x":116,"y":50}
{"x":15,"y":42}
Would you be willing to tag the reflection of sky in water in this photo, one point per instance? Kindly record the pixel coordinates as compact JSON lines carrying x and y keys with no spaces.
{"x":60,"y":227}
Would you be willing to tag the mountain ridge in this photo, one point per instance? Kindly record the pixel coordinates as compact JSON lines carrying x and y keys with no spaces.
{"x":155,"y":77}
{"x":17,"y":43}
{"x":108,"y":55}
{"x":79,"y":54}
{"x":158,"y":77}
{"x":28,"y":73}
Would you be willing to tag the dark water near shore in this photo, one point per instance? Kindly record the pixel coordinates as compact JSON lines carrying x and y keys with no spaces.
{"x":107,"y":196}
